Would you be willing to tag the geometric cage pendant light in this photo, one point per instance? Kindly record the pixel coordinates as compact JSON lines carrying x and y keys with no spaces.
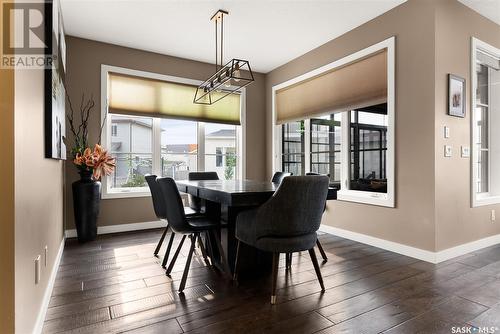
{"x":228,"y":78}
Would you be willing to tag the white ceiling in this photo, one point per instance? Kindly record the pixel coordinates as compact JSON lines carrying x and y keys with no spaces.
{"x":487,"y":8}
{"x":267,"y":33}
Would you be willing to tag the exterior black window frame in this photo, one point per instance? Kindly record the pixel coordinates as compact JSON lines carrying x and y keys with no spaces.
{"x":287,"y":159}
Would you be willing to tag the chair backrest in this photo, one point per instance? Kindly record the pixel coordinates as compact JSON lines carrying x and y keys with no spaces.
{"x":295,"y":208}
{"x":174,"y":208}
{"x":156,"y":196}
{"x":199,"y":176}
{"x":312,"y":174}
{"x":195,"y":202}
{"x":279,"y":176}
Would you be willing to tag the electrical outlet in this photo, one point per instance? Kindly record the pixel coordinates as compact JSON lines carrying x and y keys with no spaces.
{"x":493,"y":216}
{"x":46,"y":255}
{"x":37,"y":269}
{"x":448,"y":151}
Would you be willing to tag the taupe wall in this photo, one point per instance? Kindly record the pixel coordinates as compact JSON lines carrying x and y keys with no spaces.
{"x":457,"y":222}
{"x":85,"y":58}
{"x":412,"y":222}
{"x":7,"y":200}
{"x":39,"y":199}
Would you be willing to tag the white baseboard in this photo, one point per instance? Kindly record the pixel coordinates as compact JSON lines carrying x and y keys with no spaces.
{"x":121,"y":228}
{"x":48,"y":291}
{"x":417,"y":253}
{"x":469,"y":247}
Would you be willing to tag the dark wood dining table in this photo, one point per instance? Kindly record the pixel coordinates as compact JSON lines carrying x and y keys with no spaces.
{"x":223,"y":200}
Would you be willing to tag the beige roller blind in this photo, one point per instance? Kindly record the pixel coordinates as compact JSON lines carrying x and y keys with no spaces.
{"x":150,"y":97}
{"x":358,"y":84}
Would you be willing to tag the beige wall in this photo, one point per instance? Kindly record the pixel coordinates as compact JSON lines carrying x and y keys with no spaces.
{"x":457,"y":222}
{"x":7,"y":200}
{"x":433,"y":210}
{"x":412,"y":221}
{"x":85,"y":58}
{"x":39,"y":199}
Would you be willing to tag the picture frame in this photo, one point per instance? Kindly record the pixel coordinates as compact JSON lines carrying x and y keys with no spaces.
{"x":456,"y":96}
{"x":54,"y":86}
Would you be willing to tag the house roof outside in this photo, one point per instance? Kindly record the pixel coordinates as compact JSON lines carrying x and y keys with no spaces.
{"x":181,"y":148}
{"x":226,"y":133}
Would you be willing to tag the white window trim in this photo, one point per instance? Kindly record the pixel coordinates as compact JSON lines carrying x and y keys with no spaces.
{"x":479,"y":199}
{"x":106,"y":131}
{"x":380,"y":199}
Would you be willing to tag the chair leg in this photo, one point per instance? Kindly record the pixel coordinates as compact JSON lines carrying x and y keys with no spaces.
{"x":314,"y":260}
{"x":236,"y":263}
{"x":321,"y":251}
{"x":157,"y":249}
{"x":188,"y":262}
{"x":287,"y":261}
{"x":167,"y":251}
{"x":176,"y":254}
{"x":203,"y":251}
{"x":222,"y":255}
{"x":276,"y":262}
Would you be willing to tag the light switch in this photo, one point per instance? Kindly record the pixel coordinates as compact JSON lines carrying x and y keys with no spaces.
{"x":446,"y":132}
{"x":465,"y":150}
{"x":448,"y":151}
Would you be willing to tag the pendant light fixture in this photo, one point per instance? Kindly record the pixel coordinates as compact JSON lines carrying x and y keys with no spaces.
{"x":227,"y":79}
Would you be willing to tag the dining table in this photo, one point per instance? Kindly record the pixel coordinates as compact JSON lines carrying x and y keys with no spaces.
{"x":222,"y":201}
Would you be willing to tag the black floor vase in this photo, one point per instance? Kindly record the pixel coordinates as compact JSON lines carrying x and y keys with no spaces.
{"x":86,"y":205}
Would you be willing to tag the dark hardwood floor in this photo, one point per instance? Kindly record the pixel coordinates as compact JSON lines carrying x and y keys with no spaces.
{"x":115,"y":285}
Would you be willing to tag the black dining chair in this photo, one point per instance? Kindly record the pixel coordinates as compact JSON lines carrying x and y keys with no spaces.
{"x":160,"y":212}
{"x":320,"y":248}
{"x":286,"y":223}
{"x":196,"y":203}
{"x":184,"y":225}
{"x":279,"y":176}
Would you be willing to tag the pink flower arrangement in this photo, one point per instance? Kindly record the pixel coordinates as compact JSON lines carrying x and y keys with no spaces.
{"x":97,"y":160}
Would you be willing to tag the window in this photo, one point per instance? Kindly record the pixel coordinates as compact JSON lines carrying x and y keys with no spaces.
{"x":347,"y":130}
{"x":133,"y":150}
{"x":218,"y":157}
{"x":368,"y":146}
{"x":293,"y":148}
{"x":166,"y":137}
{"x":485,"y":122}
{"x":325,"y":146}
{"x":220,"y":149}
{"x":179,"y":148}
{"x":168,"y":147}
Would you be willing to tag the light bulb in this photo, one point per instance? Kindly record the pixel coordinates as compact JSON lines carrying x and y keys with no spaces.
{"x":236,"y":73}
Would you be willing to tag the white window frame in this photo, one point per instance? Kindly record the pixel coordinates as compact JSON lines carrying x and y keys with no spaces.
{"x":365,"y":197}
{"x":479,"y":199}
{"x":107,"y":193}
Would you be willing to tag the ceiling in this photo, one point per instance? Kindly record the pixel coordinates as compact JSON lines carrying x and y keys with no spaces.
{"x":487,"y":8}
{"x":267,"y":33}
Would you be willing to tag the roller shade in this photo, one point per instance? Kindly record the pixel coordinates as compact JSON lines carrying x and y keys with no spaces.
{"x":155,"y":98}
{"x":358,"y":84}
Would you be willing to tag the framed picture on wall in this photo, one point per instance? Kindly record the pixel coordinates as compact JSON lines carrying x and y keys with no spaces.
{"x":456,"y":96}
{"x":55,"y":94}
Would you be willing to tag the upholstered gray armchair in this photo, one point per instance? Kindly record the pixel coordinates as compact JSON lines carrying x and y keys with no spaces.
{"x":287,"y":222}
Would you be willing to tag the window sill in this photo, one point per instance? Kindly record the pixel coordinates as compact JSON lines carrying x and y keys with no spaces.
{"x":366,"y":197}
{"x":125,"y":194}
{"x":485,"y":199}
